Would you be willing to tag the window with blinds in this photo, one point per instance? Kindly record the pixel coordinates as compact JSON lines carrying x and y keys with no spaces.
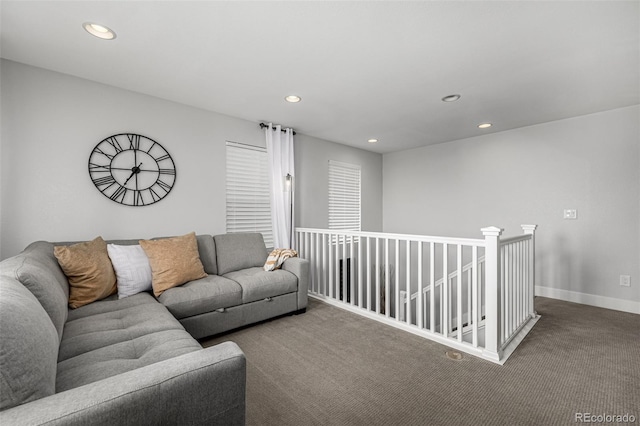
{"x":344,"y":196}
{"x":248,"y":202}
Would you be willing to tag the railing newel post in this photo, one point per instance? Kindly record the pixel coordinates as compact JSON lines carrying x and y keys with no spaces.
{"x":492,"y":292}
{"x":531,"y":230}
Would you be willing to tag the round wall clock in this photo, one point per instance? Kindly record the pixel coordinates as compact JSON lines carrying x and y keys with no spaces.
{"x":131,"y":169}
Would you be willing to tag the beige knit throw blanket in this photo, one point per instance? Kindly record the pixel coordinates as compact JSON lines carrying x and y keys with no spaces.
{"x":277,"y":257}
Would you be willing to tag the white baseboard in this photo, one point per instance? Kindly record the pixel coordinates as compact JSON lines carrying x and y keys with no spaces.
{"x":589,"y":299}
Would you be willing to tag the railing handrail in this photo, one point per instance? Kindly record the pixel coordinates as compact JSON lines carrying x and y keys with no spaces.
{"x":516,"y":239}
{"x":401,"y":237}
{"x":451,"y":276}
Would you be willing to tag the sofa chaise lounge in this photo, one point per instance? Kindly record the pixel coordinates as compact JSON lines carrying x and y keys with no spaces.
{"x":136,"y":360}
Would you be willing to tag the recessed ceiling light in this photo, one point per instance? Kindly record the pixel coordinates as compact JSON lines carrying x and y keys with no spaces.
{"x":451,"y":98}
{"x":292,"y":98}
{"x":372,"y":140}
{"x":484,"y":125}
{"x":99,"y":31}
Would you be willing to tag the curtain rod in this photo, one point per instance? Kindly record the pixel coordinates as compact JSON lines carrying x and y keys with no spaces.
{"x":263,"y":125}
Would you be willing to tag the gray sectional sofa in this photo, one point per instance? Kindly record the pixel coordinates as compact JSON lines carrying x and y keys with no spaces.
{"x":136,"y":360}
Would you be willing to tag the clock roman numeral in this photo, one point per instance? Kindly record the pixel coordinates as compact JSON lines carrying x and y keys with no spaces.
{"x":106,"y":180}
{"x":115,"y":144}
{"x":164,"y":157}
{"x":94,"y":166}
{"x":167,"y":172}
{"x":109,"y":156}
{"x":134,"y":141}
{"x":154,"y":195}
{"x":119,"y":193}
{"x":137,"y":198}
{"x":163,"y":185}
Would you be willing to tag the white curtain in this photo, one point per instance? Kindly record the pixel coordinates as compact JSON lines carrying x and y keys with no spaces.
{"x":281,"y":170}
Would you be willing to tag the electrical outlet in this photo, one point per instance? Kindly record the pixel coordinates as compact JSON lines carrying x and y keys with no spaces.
{"x":570,"y":214}
{"x":625,"y":280}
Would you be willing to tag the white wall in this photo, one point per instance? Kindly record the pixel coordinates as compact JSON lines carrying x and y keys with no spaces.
{"x":530,"y":175}
{"x":313,"y":174}
{"x":52,"y":121}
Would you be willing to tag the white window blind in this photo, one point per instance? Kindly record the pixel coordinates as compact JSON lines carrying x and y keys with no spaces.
{"x":344,"y":196}
{"x":248,"y":202}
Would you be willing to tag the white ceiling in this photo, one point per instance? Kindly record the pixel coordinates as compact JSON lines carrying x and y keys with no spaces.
{"x":364,"y":69}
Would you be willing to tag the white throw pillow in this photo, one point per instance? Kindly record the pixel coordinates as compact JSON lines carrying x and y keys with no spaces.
{"x":133,"y":271}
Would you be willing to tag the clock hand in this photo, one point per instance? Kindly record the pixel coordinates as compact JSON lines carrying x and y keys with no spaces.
{"x":134,"y":171}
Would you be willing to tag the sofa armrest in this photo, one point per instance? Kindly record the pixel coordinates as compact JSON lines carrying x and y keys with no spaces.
{"x":300,"y":268}
{"x":204,"y":387}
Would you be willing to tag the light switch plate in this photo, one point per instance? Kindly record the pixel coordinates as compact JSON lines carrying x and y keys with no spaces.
{"x":625,"y":280}
{"x":570,"y":214}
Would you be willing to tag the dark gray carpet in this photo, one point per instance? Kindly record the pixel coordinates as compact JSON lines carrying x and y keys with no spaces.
{"x":332,"y":367}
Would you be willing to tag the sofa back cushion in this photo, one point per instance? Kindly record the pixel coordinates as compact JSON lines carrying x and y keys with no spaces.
{"x":38,"y":270}
{"x":29,"y":349}
{"x":207,"y":250}
{"x":239,"y":251}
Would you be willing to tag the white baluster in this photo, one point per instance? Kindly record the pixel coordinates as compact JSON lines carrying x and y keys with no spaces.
{"x":360,"y":275}
{"x":459,"y":292}
{"x":432,"y":284}
{"x":469,"y":279}
{"x":331,"y":258}
{"x":473,"y":313}
{"x":377,"y":276}
{"x":444,"y":291}
{"x":369,"y":299}
{"x":387,"y":280}
{"x":323,"y":273}
{"x":337,"y":269}
{"x":408,"y":281}
{"x":506,"y":285}
{"x":396,"y":283}
{"x":420,"y":303}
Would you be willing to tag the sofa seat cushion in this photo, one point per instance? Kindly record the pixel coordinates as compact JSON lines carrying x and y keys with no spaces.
{"x":118,"y":358}
{"x":258,"y":285}
{"x":114,"y":336}
{"x":202,"y":296}
{"x":112,"y":321}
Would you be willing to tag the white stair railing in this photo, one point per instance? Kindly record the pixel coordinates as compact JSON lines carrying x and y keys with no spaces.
{"x":479,"y":310}
{"x":517,"y":283}
{"x":467,"y":269}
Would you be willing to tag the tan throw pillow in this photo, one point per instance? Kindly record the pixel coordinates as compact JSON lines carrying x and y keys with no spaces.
{"x":174,"y":261}
{"x":89,"y":271}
